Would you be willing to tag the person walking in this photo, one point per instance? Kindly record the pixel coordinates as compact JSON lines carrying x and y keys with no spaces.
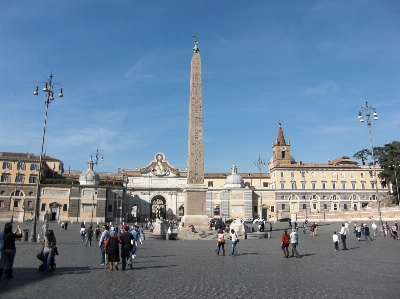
{"x":374,"y":228}
{"x":135,"y":234}
{"x":141,"y":234}
{"x":83,"y":231}
{"x":235,"y":240}
{"x":285,"y":244}
{"x":9,"y":250}
{"x":294,"y":240}
{"x":126,"y":247}
{"x":97,"y":232}
{"x":366,"y":232}
{"x":111,"y":246}
{"x":221,"y":242}
{"x":343,"y":236}
{"x":103,"y":238}
{"x":335,"y":239}
{"x":358,"y":233}
{"x":49,"y":243}
{"x":89,"y":236}
{"x":45,"y":229}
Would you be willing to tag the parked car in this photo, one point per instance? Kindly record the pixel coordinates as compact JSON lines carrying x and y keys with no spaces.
{"x":229,"y":220}
{"x":285,"y":220}
{"x":248,"y":220}
{"x":258,"y":220}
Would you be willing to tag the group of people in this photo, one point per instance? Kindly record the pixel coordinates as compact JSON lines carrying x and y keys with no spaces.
{"x":110,"y":242}
{"x":221,"y":242}
{"x":293,"y":240}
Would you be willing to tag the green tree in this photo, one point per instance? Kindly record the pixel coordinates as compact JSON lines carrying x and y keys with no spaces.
{"x":389,"y":160}
{"x":362,"y":155}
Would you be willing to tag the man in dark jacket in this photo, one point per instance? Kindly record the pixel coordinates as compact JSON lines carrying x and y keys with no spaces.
{"x":89,"y":236}
{"x":366,"y":232}
{"x":126,"y":247}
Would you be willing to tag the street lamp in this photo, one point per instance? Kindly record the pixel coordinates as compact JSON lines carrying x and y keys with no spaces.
{"x":125,"y":183}
{"x":48,"y":89}
{"x":94,"y":192}
{"x":367,"y":110}
{"x":96,"y":157}
{"x":260,"y":163}
{"x":303,"y":175}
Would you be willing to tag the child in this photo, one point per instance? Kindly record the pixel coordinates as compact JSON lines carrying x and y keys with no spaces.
{"x":335,"y":239}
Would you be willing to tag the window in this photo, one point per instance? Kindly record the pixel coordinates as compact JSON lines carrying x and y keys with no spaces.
{"x":303,"y":185}
{"x":303,"y":174}
{"x":210,"y":184}
{"x":282,"y":174}
{"x":294,"y":186}
{"x":362,"y":175}
{"x":313,"y":185}
{"x":255,"y":209}
{"x":325,"y":206}
{"x":333,"y":185}
{"x":371,"y":174}
{"x":292,"y":174}
{"x":19,"y":178}
{"x":282,"y":185}
{"x":352,"y":175}
{"x":1,"y":203}
{"x":20,"y":166}
{"x":87,"y":208}
{"x":372,"y":185}
{"x":313,"y":174}
{"x":32,"y":179}
{"x":343,"y":185}
{"x":4,"y":178}
{"x":109,"y":209}
{"x":345,"y":206}
{"x":314,"y":206}
{"x":16,"y":203}
{"x":362,"y":185}
{"x":6,"y":165}
{"x":30,"y":204}
{"x":334,"y":197}
{"x":272,"y":209}
{"x":265,"y":184}
{"x":342,"y":175}
{"x":283,"y":154}
{"x":34,"y":166}
{"x":283,"y":206}
{"x":353,"y":185}
{"x":323,"y":185}
{"x":333,"y":175}
{"x":304,"y":206}
{"x":323,"y":174}
{"x":65,"y":207}
{"x":43,"y":207}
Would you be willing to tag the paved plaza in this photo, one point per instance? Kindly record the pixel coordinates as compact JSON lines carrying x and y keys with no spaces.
{"x":191,"y":269}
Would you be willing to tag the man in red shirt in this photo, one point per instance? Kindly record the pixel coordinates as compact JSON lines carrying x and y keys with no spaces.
{"x":285,"y":244}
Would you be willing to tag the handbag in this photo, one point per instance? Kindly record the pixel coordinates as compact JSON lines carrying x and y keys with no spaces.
{"x":40,"y":255}
{"x":221,"y":240}
{"x":55,"y":250}
{"x":237,"y":240}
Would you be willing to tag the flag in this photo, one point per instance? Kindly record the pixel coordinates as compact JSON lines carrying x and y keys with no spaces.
{"x":54,"y":166}
{"x":62,"y":168}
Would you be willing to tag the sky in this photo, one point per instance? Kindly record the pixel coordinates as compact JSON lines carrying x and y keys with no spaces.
{"x":124,"y":67}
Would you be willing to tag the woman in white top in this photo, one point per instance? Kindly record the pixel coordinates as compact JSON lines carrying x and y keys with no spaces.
{"x":234,"y":238}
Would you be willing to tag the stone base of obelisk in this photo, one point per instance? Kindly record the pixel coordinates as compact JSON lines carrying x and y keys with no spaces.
{"x":160,"y":229}
{"x":195,"y":206}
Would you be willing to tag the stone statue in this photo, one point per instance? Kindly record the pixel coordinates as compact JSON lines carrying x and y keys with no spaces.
{"x":157,"y":207}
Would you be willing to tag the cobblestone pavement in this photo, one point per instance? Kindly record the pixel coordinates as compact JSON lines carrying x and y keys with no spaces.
{"x":191,"y":269}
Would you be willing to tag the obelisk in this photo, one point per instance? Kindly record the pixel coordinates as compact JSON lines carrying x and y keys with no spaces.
{"x":195,"y":199}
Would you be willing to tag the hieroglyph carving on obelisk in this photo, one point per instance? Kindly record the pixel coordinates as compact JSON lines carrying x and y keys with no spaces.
{"x":195,"y":170}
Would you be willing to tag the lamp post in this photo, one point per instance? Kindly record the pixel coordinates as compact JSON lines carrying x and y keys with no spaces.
{"x":303,"y":175}
{"x":49,"y":96}
{"x":260,"y":163}
{"x":125,"y":183}
{"x":367,"y":110}
{"x":94,"y":192}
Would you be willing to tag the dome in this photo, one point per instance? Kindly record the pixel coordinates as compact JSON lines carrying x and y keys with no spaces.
{"x":89,"y":177}
{"x":234,"y":180}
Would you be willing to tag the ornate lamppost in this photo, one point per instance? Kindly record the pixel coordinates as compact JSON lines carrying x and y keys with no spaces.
{"x":49,"y":96}
{"x":303,"y":176}
{"x":260,"y":163}
{"x":367,"y":110}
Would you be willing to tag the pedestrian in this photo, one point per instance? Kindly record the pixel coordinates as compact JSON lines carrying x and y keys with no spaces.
{"x":374,"y":228}
{"x":290,"y":224}
{"x":45,"y":229}
{"x":355,"y":227}
{"x":285,"y":243}
{"x":294,"y":240}
{"x":221,"y":242}
{"x":49,"y":243}
{"x":362,"y":229}
{"x":304,"y":228}
{"x":343,"y":237}
{"x":315,"y":228}
{"x":126,"y":247}
{"x":346,"y":226}
{"x":141,"y":234}
{"x":111,"y":246}
{"x":89,"y":236}
{"x":235,"y":240}
{"x":358,"y":233}
{"x":66,"y":225}
{"x":62,"y":225}
{"x":9,"y":250}
{"x":83,"y":231}
{"x":335,"y":240}
{"x":366,"y":231}
{"x":394,"y":232}
{"x":103,"y":238}
{"x":270,"y":226}
{"x":134,"y":242}
{"x":97,"y":232}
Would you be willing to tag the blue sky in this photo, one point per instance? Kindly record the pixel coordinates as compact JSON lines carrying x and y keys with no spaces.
{"x":125,"y":65}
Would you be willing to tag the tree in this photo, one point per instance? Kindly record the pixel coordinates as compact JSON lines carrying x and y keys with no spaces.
{"x":389,"y":160}
{"x":362,"y":155}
